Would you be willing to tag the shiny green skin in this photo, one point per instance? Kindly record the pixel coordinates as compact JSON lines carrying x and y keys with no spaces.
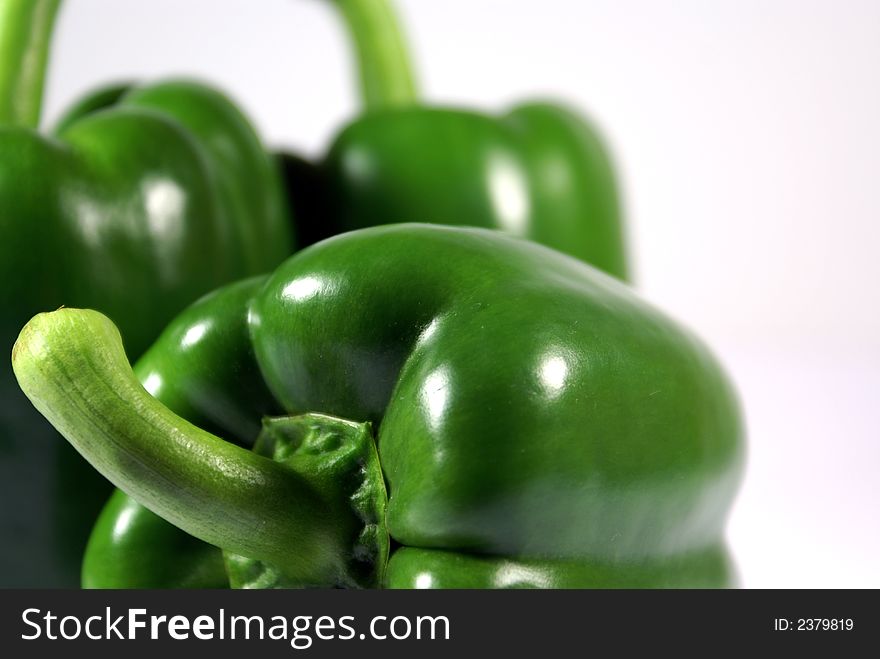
{"x":127,"y":559}
{"x":142,"y":200}
{"x":540,"y":172}
{"x":431,"y":568}
{"x":537,"y":423}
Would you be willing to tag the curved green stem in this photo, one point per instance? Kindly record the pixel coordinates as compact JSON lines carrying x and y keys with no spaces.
{"x":72,"y":366}
{"x":25,"y":33}
{"x":383,"y":61}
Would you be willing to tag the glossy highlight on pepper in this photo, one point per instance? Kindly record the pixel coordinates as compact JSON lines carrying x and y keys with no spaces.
{"x":535,"y":423}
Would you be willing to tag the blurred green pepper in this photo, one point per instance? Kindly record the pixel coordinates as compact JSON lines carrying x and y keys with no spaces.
{"x":539,"y":171}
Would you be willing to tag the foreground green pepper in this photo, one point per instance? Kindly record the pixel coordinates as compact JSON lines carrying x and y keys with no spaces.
{"x":536,"y":424}
{"x":142,"y":200}
{"x":539,"y":171}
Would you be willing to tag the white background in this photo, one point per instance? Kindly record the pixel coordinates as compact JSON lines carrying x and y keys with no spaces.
{"x":747,"y":134}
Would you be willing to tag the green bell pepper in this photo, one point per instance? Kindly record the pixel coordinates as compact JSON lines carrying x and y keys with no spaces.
{"x":539,"y":171}
{"x":141,"y":200}
{"x":536,"y":424}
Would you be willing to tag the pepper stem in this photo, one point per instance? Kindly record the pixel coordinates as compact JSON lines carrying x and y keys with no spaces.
{"x":381,"y":54}
{"x":280,"y":512}
{"x":25,"y":34}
